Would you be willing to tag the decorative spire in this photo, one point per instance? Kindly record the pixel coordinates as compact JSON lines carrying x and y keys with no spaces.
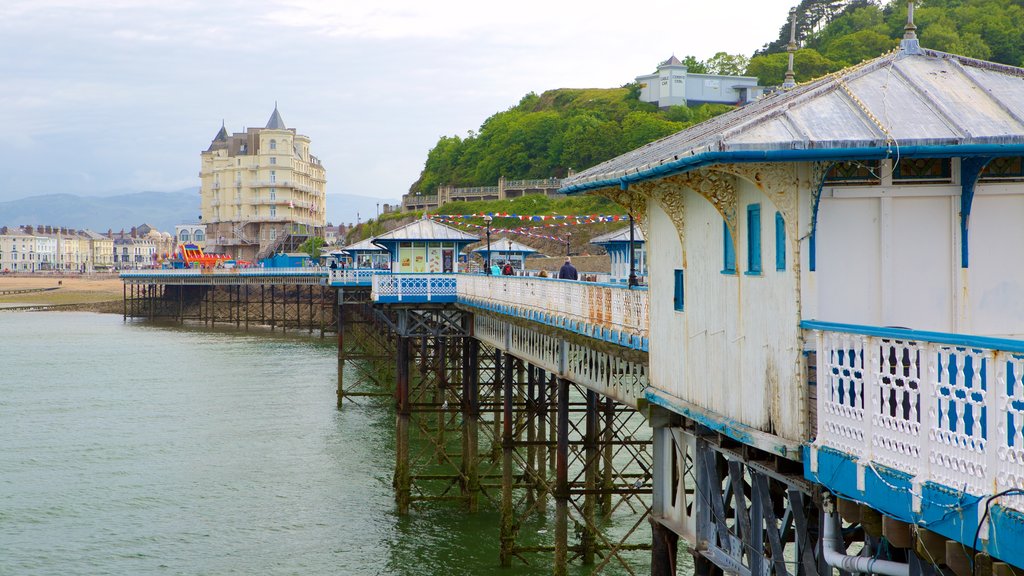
{"x":275,"y":122}
{"x":791,"y":49}
{"x":909,"y":44}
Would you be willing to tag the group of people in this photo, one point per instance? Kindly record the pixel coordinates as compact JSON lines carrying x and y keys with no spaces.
{"x":566,"y":272}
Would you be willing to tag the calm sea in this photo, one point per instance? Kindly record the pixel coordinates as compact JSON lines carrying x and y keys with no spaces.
{"x":141,"y":449}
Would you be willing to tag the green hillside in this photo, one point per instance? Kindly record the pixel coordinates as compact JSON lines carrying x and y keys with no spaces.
{"x":834,"y":34}
{"x":548,"y":134}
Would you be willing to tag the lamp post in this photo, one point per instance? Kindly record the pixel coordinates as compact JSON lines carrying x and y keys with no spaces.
{"x":508,"y":255}
{"x":632,"y":254}
{"x":488,"y":219}
{"x":568,"y":241}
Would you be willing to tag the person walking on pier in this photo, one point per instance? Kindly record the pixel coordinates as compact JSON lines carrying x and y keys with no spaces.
{"x":568,"y":271}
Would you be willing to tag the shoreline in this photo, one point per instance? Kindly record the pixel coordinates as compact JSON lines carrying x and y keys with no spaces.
{"x":102,"y":293}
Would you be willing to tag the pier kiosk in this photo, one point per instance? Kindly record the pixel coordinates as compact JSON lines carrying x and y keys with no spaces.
{"x":424,"y":246}
{"x":616,"y":243}
{"x":837,"y":322}
{"x":505,"y":250}
{"x":363,"y":255}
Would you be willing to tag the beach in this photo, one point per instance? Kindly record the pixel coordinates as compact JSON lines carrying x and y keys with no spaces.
{"x":95,"y":293}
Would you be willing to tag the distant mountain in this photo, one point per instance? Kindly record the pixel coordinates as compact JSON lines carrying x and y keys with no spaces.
{"x":162,"y":210}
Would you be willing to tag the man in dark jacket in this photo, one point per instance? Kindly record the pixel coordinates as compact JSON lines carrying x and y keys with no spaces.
{"x":568,"y":271}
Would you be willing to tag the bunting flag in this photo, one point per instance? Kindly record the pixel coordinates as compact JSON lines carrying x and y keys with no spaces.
{"x":519,"y":231}
{"x":579,"y":218}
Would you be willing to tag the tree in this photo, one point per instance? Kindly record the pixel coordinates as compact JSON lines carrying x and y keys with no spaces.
{"x":694,"y":66}
{"x":312,"y":246}
{"x":727,"y":64}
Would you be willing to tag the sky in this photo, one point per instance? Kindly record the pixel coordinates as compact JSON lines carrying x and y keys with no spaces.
{"x":101,"y":98}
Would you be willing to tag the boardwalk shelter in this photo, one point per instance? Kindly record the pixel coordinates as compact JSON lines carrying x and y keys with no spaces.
{"x":424,"y":246}
{"x":862,"y":229}
{"x":364,"y":255}
{"x":617,"y":244}
{"x":506,"y":250}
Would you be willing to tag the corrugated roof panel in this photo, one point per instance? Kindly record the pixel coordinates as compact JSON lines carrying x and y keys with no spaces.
{"x":832,"y":118}
{"x":960,"y":97}
{"x":621,"y":235}
{"x":769,"y":135}
{"x":902,"y":109}
{"x":426,"y":229}
{"x":1008,"y":90}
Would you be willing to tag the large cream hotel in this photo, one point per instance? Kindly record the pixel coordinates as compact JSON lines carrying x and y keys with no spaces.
{"x":262,"y":191}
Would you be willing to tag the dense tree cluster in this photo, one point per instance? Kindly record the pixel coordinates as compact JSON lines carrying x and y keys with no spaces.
{"x":834,"y":34}
{"x":546,"y":135}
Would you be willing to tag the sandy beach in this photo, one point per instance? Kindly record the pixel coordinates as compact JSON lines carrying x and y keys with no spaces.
{"x":98,"y":293}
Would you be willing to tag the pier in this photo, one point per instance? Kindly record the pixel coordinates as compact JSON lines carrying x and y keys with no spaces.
{"x":825,"y":371}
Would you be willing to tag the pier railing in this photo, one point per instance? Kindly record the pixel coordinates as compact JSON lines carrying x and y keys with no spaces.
{"x":414,"y":288}
{"x":356,"y":277}
{"x":944,"y":409}
{"x":608,"y":312}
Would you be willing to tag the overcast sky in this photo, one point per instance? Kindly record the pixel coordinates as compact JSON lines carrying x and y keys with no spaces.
{"x":98,"y":98}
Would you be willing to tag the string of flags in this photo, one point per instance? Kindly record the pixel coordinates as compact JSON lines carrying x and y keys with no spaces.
{"x":583,"y":218}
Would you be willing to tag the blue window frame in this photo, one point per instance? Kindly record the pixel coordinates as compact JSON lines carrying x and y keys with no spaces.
{"x":753,"y":239}
{"x":677,"y":294}
{"x":780,"y":242}
{"x":728,"y":251}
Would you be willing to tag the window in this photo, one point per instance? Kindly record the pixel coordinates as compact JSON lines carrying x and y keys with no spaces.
{"x":728,"y":251}
{"x":273,"y":146}
{"x":677,"y":293}
{"x":273,"y":159}
{"x":780,"y":242}
{"x":273,"y":176}
{"x":199,"y":236}
{"x":753,"y":239}
{"x":273,"y":193}
{"x":184,"y":236}
{"x":273,"y":211}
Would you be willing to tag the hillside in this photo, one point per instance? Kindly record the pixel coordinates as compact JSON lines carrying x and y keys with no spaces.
{"x":549,"y":134}
{"x":837,"y":33}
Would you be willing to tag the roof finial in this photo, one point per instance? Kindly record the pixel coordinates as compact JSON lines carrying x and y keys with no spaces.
{"x":909,"y":44}
{"x":791,"y":48}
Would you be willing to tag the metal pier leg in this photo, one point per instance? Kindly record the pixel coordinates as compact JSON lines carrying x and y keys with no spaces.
{"x":403,"y":486}
{"x":530,"y":474}
{"x":341,"y":352}
{"x":496,"y":400}
{"x":664,"y":547}
{"x":589,"y":478}
{"x":541,"y":467}
{"x":562,"y":482}
{"x":470,"y":421}
{"x":440,"y":393}
{"x":607,"y":464}
{"x":508,"y":537}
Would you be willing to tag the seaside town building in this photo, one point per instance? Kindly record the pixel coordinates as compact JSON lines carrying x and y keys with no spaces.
{"x":262,"y":191}
{"x":673,"y":85}
{"x":190,"y":234}
{"x":52,"y":249}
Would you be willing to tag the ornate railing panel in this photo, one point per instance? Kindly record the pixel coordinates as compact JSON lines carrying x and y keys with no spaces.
{"x":622,"y":379}
{"x":414,"y":288}
{"x":941,"y":408}
{"x":349,"y":277}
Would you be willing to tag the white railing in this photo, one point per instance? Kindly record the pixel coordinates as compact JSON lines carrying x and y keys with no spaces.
{"x":293,"y":271}
{"x":612,"y":307}
{"x":389,"y":287}
{"x":354,"y":276}
{"x":943,"y":408}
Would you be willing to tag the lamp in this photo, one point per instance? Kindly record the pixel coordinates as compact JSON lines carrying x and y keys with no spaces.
{"x":487,"y":219}
{"x":568,"y":239}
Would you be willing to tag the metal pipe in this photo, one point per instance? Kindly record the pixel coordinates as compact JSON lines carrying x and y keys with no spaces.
{"x":834,"y":551}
